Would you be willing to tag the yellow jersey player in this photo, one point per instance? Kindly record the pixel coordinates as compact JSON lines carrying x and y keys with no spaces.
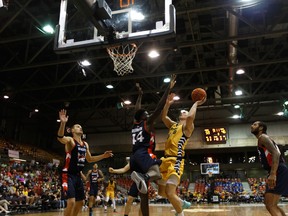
{"x":110,"y":193}
{"x":173,"y":162}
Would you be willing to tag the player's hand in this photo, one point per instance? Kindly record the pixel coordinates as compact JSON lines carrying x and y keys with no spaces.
{"x":271,"y":181}
{"x":172,"y":80}
{"x":200,"y":102}
{"x":62,"y":116}
{"x":108,"y":154}
{"x":170,"y":98}
{"x":111,"y":170}
{"x":139,"y":88}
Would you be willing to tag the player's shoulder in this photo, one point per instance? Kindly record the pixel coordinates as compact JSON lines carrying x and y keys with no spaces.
{"x":263,"y":137}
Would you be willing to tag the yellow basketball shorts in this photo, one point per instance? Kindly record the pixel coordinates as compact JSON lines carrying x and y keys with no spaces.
{"x":171,"y":166}
{"x":110,"y":194}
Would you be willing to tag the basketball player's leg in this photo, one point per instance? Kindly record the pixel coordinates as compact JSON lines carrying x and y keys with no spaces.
{"x":106,"y":200}
{"x":169,"y":182}
{"x":112,"y":196}
{"x":149,"y":167}
{"x":70,"y":206}
{"x":162,"y":188}
{"x":70,"y":195}
{"x":154,"y":173}
{"x":144,"y":204}
{"x":91,"y":203}
{"x":128,"y":205}
{"x":271,"y":203}
{"x":132,"y":194}
{"x":77,"y":207}
{"x":79,"y":196}
{"x":170,"y":191}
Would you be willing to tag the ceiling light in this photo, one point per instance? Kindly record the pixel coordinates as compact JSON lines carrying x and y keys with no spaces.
{"x":280,"y":113}
{"x":237,"y":106}
{"x":240,"y":71}
{"x":153,"y":54}
{"x":127,"y":102}
{"x":58,"y":120}
{"x":6,"y":97}
{"x":176,"y":97}
{"x":167,"y":80}
{"x":238,"y":92}
{"x":109,"y":86}
{"x":48,"y":29}
{"x":85,"y":63}
{"x":36,"y":110}
{"x":236,"y":116}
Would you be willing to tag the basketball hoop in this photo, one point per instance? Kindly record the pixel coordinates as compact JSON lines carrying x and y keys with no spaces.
{"x":122,"y":57}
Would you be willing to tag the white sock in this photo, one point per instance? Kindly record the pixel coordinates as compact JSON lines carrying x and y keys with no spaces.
{"x":180,"y":214}
{"x":114,"y":204}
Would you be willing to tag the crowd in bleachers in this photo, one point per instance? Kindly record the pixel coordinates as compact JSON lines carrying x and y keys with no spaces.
{"x":228,"y":190}
{"x":26,"y":185}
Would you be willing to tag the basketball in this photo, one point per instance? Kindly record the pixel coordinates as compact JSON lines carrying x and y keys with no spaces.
{"x":198,"y":94}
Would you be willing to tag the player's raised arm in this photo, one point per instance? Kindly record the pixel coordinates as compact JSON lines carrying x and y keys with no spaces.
{"x":139,"y":99}
{"x":164,"y":116}
{"x":161,"y":103}
{"x":60,"y":134}
{"x":189,"y":125}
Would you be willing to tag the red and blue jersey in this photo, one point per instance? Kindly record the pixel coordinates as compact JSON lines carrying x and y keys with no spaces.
{"x":94,"y":176}
{"x":265,"y":156}
{"x":75,"y":159}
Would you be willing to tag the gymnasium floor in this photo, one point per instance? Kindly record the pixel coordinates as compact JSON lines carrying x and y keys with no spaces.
{"x":165,"y":209}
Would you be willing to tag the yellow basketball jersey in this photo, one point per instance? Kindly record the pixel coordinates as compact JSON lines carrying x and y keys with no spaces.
{"x":176,"y":141}
{"x":111,"y":186}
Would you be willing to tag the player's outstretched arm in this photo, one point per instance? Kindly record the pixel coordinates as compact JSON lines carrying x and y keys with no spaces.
{"x":121,"y":170}
{"x":189,"y":125}
{"x":96,"y":158}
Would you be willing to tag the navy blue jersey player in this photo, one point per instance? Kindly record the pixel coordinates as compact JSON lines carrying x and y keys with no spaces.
{"x":95,"y":176}
{"x":143,"y":166}
{"x":272,"y":161}
{"x":77,"y":152}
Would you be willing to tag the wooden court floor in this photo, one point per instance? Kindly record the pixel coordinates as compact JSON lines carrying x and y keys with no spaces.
{"x":167,"y":210}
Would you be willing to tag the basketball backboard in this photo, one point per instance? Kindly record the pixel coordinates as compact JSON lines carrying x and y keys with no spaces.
{"x":88,"y":24}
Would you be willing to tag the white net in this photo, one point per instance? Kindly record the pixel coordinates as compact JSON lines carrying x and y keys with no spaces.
{"x":122,"y":57}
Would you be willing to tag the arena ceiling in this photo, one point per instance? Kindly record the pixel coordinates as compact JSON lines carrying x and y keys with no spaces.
{"x":213,"y":39}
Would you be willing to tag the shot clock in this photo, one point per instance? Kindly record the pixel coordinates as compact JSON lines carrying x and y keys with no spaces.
{"x":215,"y":135}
